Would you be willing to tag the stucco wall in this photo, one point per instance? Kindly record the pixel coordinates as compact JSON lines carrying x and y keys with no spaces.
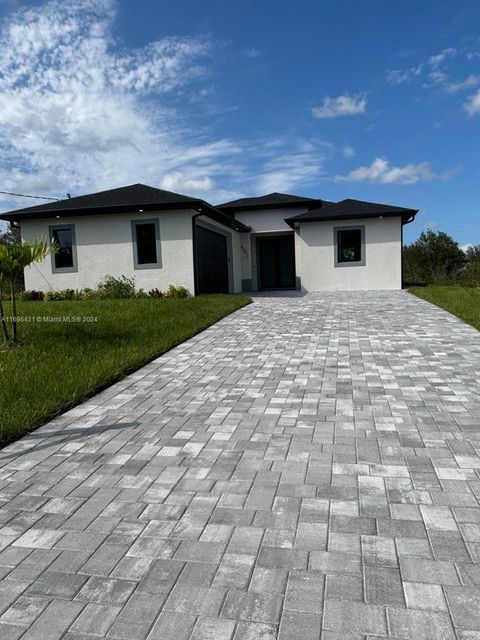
{"x":383,"y":257}
{"x":264,"y":220}
{"x":104,"y":246}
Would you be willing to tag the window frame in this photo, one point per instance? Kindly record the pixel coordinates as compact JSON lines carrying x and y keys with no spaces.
{"x":350,"y":263}
{"x":148,"y":265}
{"x":62,"y":227}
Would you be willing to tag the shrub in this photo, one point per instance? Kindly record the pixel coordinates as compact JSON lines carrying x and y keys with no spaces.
{"x":155,"y":293}
{"x":32,"y":295}
{"x":62,"y":294}
{"x":88,"y":294}
{"x":141,"y":293}
{"x":111,"y":287}
{"x":176,"y":292}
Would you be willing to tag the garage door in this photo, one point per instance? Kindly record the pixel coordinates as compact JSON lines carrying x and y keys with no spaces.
{"x":212,"y":261}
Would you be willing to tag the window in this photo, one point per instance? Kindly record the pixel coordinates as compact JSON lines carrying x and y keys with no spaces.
{"x":350,"y":246}
{"x":65,"y":259}
{"x":146,"y":244}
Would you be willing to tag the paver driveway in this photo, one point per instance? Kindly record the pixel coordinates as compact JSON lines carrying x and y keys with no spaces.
{"x":305,"y":464}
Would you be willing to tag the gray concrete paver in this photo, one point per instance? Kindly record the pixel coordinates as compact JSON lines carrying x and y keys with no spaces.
{"x":308,"y":466}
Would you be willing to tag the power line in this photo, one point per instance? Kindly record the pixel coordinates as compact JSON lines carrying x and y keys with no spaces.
{"x":24,"y":195}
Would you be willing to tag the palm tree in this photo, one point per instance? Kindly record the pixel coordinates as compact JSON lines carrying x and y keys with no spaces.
{"x":13,"y":259}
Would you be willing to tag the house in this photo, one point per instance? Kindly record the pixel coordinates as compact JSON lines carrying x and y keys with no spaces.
{"x":276,"y":241}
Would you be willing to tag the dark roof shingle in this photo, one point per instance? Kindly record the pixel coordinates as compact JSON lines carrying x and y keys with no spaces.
{"x":122,"y":200}
{"x":270,"y":200}
{"x":130,"y":196}
{"x":351,"y":210}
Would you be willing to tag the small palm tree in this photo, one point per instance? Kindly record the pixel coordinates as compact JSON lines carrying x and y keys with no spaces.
{"x":13,"y":259}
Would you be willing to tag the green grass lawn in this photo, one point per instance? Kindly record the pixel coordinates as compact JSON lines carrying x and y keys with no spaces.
{"x":463,"y":302}
{"x":59,"y":364}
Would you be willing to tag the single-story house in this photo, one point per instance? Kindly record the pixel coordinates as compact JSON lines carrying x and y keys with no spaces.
{"x":276,"y":241}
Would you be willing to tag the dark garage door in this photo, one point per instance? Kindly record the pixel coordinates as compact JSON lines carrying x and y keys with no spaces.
{"x":212,"y":262}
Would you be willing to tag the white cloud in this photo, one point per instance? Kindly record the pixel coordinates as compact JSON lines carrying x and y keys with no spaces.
{"x":466,"y":247}
{"x":401,"y":76}
{"x":436,"y":77}
{"x":178,"y":181}
{"x":348,"y":151}
{"x":472,"y":105}
{"x":470,"y":81}
{"x":380,"y":171}
{"x":437,"y":59}
{"x":346,"y":105}
{"x":78,"y":113}
{"x":431,"y":72}
{"x":288,"y":163}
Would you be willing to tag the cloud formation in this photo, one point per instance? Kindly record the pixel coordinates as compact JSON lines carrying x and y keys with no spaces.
{"x":434,"y":74}
{"x":401,"y":76}
{"x":472,"y":105}
{"x":436,"y":60}
{"x":346,"y":105}
{"x":348,"y":151}
{"x":380,"y":171}
{"x":470,"y":81}
{"x":79,"y":113}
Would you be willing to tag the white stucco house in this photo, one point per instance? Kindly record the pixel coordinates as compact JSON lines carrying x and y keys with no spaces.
{"x":276,"y":241}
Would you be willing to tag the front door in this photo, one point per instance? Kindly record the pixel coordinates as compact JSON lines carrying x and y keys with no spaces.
{"x":276,"y":261}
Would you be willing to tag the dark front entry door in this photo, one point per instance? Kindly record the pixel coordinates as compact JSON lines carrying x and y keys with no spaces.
{"x":276,"y":259}
{"x":212,"y":261}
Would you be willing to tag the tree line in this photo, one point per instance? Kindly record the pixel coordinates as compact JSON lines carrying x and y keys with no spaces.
{"x":436,"y":258}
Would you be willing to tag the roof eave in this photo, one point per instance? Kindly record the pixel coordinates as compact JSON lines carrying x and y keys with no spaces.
{"x":310,"y":204}
{"x":407,"y":216}
{"x":200,"y":206}
{"x":12,"y":216}
{"x":219,"y":216}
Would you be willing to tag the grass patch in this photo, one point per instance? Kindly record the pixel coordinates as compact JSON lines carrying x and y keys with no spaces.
{"x":60,"y":364}
{"x":463,"y":302}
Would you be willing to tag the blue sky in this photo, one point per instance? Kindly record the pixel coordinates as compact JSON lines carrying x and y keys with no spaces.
{"x":372,"y":100}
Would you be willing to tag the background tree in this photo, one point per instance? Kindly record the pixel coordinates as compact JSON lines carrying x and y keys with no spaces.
{"x":10,"y":234}
{"x":434,"y":258}
{"x":472,"y":269}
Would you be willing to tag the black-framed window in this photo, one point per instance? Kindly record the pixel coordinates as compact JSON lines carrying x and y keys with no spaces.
{"x":350,"y":246}
{"x":146,"y":244}
{"x":65,"y":257}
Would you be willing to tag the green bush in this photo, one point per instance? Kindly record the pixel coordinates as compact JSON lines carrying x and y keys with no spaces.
{"x":155,"y":293}
{"x":176,"y":292}
{"x":111,"y":287}
{"x":88,"y":294}
{"x":62,"y":294}
{"x":30,"y":296}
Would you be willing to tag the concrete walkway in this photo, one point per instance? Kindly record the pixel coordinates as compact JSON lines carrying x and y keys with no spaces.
{"x":307,"y":468}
